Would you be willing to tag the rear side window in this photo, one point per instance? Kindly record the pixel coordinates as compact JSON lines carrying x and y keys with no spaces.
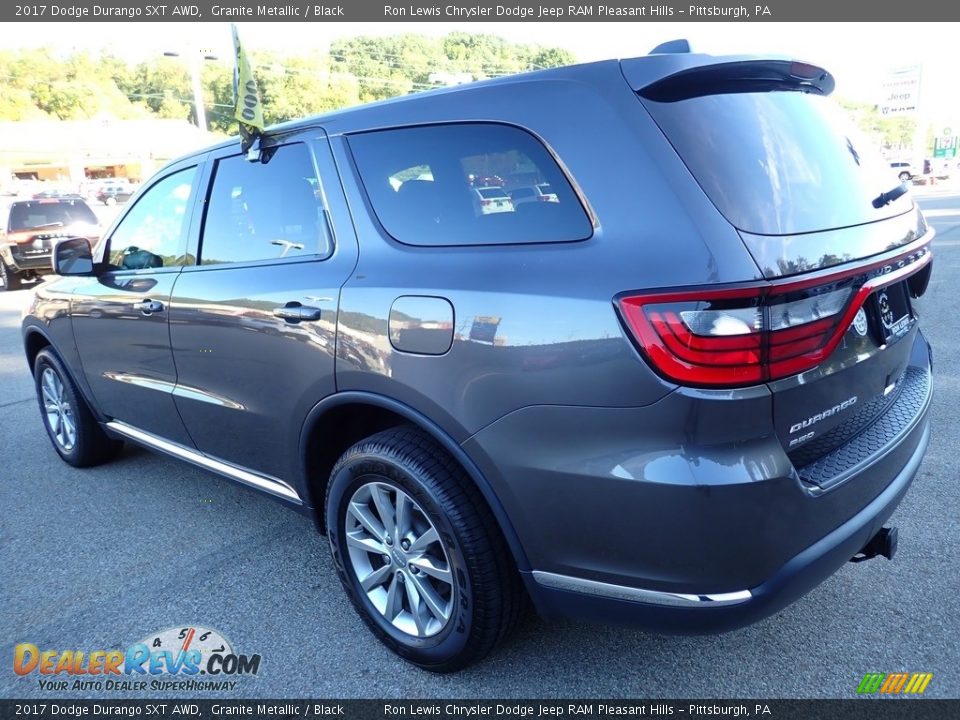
{"x":264,"y":210}
{"x":451,"y":185}
{"x":50,"y":213}
{"x":779,"y":162}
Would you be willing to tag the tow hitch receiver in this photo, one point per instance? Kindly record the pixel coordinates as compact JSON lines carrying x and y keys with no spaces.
{"x":883,"y":543}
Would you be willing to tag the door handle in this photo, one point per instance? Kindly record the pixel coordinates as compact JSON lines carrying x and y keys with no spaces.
{"x":295,"y":312}
{"x":148,"y":307}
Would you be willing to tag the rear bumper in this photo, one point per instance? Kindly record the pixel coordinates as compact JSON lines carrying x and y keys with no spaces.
{"x":691,"y":614}
{"x":685,"y":516}
{"x":18,"y":260}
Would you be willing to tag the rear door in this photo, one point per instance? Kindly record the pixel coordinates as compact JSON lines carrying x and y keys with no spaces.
{"x":820,"y":212}
{"x":253,"y":322}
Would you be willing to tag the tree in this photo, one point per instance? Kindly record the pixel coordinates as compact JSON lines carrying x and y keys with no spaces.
{"x":42,"y":82}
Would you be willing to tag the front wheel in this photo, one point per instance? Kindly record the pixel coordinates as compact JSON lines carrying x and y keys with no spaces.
{"x":9,"y":280}
{"x":110,"y":201}
{"x":419,"y":552}
{"x":904,"y":176}
{"x":75,"y":433}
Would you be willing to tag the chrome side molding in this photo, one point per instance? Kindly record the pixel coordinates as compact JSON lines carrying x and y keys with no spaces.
{"x":266,"y":483}
{"x":653,"y":597}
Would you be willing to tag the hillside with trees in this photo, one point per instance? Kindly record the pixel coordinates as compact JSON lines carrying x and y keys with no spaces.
{"x":42,"y":84}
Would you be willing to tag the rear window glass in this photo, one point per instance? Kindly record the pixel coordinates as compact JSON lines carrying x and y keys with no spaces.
{"x":30,"y":215}
{"x":430,"y":186}
{"x":779,"y":163}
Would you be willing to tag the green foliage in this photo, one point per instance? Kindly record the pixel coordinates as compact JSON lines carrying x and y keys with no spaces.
{"x":40,"y":83}
{"x":890,"y":133}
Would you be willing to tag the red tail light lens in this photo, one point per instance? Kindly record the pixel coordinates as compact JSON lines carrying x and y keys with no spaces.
{"x":748,"y":335}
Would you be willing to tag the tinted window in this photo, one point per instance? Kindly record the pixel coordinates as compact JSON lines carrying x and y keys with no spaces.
{"x":153,"y":233}
{"x":422,"y":181}
{"x":264,"y":210}
{"x":492,"y":193}
{"x":52,"y":214}
{"x":778,"y":163}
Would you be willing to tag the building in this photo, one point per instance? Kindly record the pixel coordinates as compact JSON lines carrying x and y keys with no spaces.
{"x":71,"y":151}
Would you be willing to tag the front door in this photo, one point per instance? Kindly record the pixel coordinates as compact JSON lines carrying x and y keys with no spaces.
{"x":253,"y":322}
{"x":120,"y":316}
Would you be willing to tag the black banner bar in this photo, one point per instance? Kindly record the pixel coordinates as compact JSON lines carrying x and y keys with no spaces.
{"x":192,"y":709}
{"x":478,"y":11}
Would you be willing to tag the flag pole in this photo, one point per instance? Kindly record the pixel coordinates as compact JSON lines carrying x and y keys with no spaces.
{"x":248,"y":108}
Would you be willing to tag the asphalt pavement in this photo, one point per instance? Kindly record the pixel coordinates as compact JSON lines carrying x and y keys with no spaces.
{"x":102,"y":558}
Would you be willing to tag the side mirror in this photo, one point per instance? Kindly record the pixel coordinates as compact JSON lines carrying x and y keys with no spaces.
{"x":73,"y":256}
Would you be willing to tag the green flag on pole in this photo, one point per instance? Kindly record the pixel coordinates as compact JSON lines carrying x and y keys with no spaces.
{"x":249,"y":109}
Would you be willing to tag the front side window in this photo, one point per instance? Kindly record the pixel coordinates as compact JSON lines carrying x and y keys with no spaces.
{"x":467,"y":184}
{"x":152,"y":234}
{"x":265,"y":210}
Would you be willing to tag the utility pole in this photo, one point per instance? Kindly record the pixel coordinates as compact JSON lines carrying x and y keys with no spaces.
{"x":194,"y":59}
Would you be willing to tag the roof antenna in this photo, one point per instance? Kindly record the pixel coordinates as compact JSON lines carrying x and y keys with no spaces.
{"x":681,"y":45}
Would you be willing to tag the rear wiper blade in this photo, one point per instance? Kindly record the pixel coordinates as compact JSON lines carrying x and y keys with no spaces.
{"x":885,"y":198}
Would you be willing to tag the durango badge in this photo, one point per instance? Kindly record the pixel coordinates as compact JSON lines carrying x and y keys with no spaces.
{"x":813,"y":419}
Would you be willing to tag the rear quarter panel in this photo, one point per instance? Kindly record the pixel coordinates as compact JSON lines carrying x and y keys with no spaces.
{"x":558,"y":339}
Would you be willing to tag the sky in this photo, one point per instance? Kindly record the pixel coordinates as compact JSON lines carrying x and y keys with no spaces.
{"x":858,"y":54}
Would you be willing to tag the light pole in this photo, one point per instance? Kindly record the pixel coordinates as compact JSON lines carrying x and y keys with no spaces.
{"x":194,"y":63}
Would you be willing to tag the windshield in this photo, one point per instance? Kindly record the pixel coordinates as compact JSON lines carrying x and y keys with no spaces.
{"x":779,"y":163}
{"x":31,"y":215}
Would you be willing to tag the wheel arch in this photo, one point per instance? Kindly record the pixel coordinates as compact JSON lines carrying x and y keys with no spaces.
{"x":35,"y":340}
{"x":378,"y":412}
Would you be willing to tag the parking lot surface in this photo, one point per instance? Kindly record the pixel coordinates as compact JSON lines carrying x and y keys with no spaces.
{"x":102,"y":558}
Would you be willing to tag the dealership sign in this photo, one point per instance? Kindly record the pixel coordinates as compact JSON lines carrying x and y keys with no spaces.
{"x":900,"y":92}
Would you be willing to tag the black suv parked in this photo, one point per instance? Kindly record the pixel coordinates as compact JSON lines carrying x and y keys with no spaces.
{"x":32,"y":227}
{"x":680,"y":394}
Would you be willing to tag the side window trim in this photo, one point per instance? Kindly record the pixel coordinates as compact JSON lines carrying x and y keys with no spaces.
{"x":207,"y":186}
{"x":103,"y":253}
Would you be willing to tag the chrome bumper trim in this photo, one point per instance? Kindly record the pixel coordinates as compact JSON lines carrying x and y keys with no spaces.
{"x":622,"y":592}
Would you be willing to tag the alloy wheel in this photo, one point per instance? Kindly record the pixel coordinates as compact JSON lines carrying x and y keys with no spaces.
{"x":399,"y":559}
{"x":57,"y":410}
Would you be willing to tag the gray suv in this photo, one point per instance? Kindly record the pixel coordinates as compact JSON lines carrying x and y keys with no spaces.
{"x":678,"y":395}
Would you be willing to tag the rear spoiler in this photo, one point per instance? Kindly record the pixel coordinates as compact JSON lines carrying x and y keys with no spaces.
{"x":669,"y":77}
{"x":744,"y":76}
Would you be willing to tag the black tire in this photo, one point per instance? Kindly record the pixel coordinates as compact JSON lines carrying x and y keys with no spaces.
{"x":9,"y":280}
{"x":488,"y":595}
{"x":91,"y":446}
{"x":904,"y":176}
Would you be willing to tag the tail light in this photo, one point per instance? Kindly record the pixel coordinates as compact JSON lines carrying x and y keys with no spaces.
{"x":21,"y":238}
{"x":486,"y":203}
{"x":747,"y":335}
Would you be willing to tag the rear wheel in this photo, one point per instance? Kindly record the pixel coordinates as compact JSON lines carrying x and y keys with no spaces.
{"x":75,"y":433}
{"x":9,"y":280}
{"x":418,"y":551}
{"x":904,"y":176}
{"x":110,"y":201}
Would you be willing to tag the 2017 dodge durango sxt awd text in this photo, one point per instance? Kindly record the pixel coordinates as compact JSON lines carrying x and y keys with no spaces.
{"x":679,"y":395}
